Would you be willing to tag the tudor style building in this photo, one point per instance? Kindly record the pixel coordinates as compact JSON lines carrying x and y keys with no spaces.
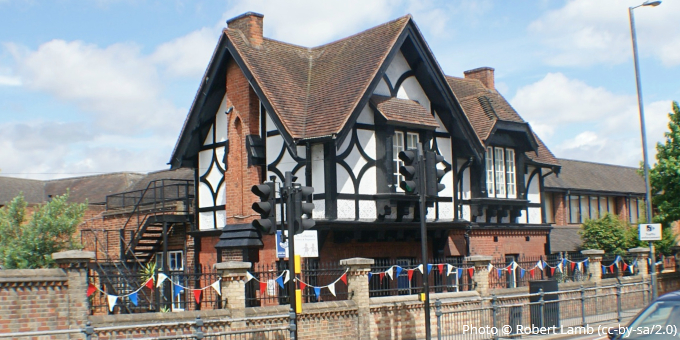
{"x":336,"y":116}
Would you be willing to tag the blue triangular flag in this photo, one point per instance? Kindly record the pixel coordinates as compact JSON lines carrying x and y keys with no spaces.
{"x":500,"y":272}
{"x":399,"y":269}
{"x":585,"y":262}
{"x":370,"y":275}
{"x":429,"y":268}
{"x":279,"y":280}
{"x":317,"y":292}
{"x":460,"y":272}
{"x":177,"y":290}
{"x":521,"y":273}
{"x":133,"y":298}
{"x":604,"y":270}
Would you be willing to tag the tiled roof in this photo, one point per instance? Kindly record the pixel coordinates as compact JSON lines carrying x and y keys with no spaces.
{"x":404,"y":111}
{"x":580,"y":175}
{"x":565,"y":238}
{"x":10,"y":187}
{"x":314,"y":90}
{"x":92,"y":189}
{"x":484,"y":107}
{"x":181,"y":173}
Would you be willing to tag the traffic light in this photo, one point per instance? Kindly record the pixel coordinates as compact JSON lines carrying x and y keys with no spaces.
{"x":303,"y":208}
{"x":432,"y":174}
{"x":266,"y":207}
{"x":411,"y":172}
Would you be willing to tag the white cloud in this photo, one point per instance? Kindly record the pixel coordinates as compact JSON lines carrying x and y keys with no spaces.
{"x":117,"y":85}
{"x":586,"y":32}
{"x":579,"y":121}
{"x":9,"y":81}
{"x":187,"y":55}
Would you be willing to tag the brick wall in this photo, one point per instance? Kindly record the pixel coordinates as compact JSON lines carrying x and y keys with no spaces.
{"x":509,"y":242}
{"x":560,"y":209}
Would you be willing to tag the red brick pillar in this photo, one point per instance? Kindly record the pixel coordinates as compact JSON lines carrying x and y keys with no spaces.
{"x":357,"y":287}
{"x":76,"y":264}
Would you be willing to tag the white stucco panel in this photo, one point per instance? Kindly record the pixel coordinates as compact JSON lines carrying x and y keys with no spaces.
{"x":534,"y":215}
{"x":382,"y":89}
{"x":366,"y":116}
{"x":412,"y":90}
{"x":444,"y":147}
{"x":466,"y":180}
{"x":204,"y":159}
{"x":205,"y":198}
{"x":346,"y":210}
{"x":397,"y":67}
{"x":445,"y":210}
{"x":274,"y":145}
{"x":367,"y":185}
{"x":441,"y":127}
{"x":206,"y":221}
{"x":319,"y":209}
{"x":533,"y":194}
{"x":318,"y":180}
{"x":345,"y":184}
{"x":367,"y":210}
{"x":367,"y":141}
{"x":222,"y":122}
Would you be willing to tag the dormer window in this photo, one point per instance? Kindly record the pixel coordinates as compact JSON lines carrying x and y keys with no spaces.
{"x":501,"y":180}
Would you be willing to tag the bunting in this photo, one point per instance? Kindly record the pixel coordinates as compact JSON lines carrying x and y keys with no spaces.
{"x":197,"y":296}
{"x":331,"y":286}
{"x":112,"y":301}
{"x":133,"y":298}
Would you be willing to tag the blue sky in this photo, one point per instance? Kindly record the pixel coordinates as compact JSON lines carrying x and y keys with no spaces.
{"x":102,"y":86}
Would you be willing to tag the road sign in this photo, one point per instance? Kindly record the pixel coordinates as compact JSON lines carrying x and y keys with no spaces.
{"x":306,"y":244}
{"x":650,"y":232}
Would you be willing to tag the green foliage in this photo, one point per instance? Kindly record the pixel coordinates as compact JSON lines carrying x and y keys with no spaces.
{"x":608,"y":233}
{"x":29,"y":241}
{"x":148,"y":271}
{"x":664,"y":177}
{"x":616,"y":236}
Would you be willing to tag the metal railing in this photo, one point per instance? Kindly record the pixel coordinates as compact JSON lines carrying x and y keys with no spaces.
{"x":516,"y":315}
{"x":527,"y":270}
{"x":400,"y":283}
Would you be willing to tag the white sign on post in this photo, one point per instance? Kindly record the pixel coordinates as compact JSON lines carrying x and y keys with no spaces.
{"x":306,"y":244}
{"x":650,"y":232}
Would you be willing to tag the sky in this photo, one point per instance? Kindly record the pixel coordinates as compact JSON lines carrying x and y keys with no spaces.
{"x":90,"y":87}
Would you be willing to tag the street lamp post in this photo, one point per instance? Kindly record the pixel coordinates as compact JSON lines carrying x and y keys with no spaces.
{"x":648,"y":196}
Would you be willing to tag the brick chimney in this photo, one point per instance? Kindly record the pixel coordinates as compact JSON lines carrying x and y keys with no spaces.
{"x":483,"y":74}
{"x":250,"y":24}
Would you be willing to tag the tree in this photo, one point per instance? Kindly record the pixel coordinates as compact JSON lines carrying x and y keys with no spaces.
{"x":29,"y":243}
{"x":664,"y":177}
{"x":608,"y":233}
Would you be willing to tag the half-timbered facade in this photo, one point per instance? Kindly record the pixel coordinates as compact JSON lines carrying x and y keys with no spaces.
{"x":337,"y":116}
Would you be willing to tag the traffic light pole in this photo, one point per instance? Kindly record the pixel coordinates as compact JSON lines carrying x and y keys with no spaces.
{"x":423,"y":244}
{"x":290,"y":220}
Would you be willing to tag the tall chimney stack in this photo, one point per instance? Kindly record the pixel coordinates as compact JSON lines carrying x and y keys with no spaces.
{"x":483,"y":74}
{"x":250,"y":24}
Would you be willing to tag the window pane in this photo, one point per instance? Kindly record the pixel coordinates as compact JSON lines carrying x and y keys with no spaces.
{"x":585,"y":210}
{"x":499,"y":166}
{"x":612,"y":205}
{"x":594,"y":208}
{"x":411,"y":141}
{"x":489,"y":172}
{"x":549,"y":218}
{"x":574,"y":216}
{"x":603,"y":206}
{"x":633,"y":210}
{"x":510,"y":171}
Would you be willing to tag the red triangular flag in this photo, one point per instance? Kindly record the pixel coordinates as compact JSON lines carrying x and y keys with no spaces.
{"x":410,"y":274}
{"x":91,"y":289}
{"x":263,"y":288}
{"x":471,"y":271}
{"x":382,"y":275}
{"x":149,"y":283}
{"x":343,"y":278}
{"x":532,"y":272}
{"x":302,"y":285}
{"x":573,"y":264}
{"x":197,"y":295}
{"x":441,"y":268}
{"x":611,"y":268}
{"x":625,"y":265}
{"x":509,"y":269}
{"x":552,"y":271}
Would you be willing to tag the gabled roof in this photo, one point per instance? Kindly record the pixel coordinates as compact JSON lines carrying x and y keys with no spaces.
{"x":485,"y":108}
{"x":33,"y":190}
{"x":404,"y":111}
{"x":588,"y":176}
{"x":315,"y":90}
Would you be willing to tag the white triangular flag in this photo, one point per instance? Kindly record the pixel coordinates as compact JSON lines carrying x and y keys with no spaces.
{"x":287,"y":277}
{"x":420,"y":267}
{"x":331,"y":287}
{"x":490,"y":267}
{"x":112,"y":301}
{"x":449,"y":269}
{"x":580,"y":266}
{"x":559,"y":266}
{"x":161,"y":277}
{"x":389,"y":273}
{"x":216,"y":287}
{"x":514,"y":265}
{"x":539,"y":264}
{"x":249,"y":276}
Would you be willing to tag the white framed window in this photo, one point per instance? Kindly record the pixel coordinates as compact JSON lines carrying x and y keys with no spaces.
{"x":400,"y":144}
{"x":510,"y":173}
{"x":489,"y":172}
{"x":499,"y":167}
{"x":501,"y":172}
